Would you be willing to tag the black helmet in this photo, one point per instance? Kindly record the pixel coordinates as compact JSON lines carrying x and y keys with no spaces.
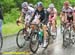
{"x":39,"y":4}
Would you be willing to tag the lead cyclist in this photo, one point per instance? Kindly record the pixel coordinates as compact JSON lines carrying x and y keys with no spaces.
{"x":42,"y":17}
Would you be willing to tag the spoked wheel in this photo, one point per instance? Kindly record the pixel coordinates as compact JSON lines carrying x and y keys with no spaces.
{"x":50,"y":36}
{"x":20,"y":39}
{"x":73,"y":37}
{"x":66,"y":40}
{"x":61,"y":27}
{"x":54,"y":36}
{"x":34,"y":42}
{"x":1,"y":42}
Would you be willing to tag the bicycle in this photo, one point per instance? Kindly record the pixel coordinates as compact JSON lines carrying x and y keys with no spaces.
{"x":23,"y":35}
{"x":50,"y":30}
{"x":1,"y":41}
{"x":67,"y":35}
{"x":37,"y":39}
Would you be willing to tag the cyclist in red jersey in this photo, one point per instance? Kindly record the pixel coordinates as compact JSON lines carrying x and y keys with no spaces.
{"x":52,"y":17}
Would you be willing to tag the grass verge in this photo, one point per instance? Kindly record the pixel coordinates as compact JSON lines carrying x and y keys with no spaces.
{"x":10,"y":28}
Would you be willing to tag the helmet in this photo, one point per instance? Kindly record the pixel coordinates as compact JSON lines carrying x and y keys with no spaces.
{"x":24,"y":5}
{"x":66,"y":3}
{"x":51,"y":5}
{"x":31,"y":5}
{"x":35,"y":6}
{"x":39,"y":4}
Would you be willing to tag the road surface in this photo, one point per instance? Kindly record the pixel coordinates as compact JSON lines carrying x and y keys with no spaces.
{"x":55,"y":48}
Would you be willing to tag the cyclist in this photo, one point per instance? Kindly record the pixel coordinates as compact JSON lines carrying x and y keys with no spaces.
{"x":31,"y":5}
{"x":35,"y":6}
{"x":74,"y":13}
{"x":26,"y":13}
{"x":67,"y":12}
{"x":42,"y":17}
{"x":74,"y":18}
{"x":52,"y":17}
{"x":1,"y":20}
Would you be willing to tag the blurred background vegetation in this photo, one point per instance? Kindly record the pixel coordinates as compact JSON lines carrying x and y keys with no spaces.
{"x":11,"y":9}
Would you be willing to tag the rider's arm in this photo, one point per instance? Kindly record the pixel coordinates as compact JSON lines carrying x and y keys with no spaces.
{"x":33,"y":15}
{"x":21,"y":15}
{"x":55,"y":14}
{"x":46,"y":16}
{"x":61,"y":14}
{"x":74,"y":16}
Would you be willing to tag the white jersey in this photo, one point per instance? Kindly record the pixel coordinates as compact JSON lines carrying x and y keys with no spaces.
{"x":28,"y":14}
{"x":68,"y":11}
{"x":52,"y":12}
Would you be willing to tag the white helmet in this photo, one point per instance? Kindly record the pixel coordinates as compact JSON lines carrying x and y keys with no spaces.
{"x":31,"y":5}
{"x":24,"y":5}
{"x":51,"y":5}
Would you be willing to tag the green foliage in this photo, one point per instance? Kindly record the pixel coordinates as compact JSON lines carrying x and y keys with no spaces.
{"x":8,"y":5}
{"x":11,"y":13}
{"x":10,"y":28}
{"x":12,"y":16}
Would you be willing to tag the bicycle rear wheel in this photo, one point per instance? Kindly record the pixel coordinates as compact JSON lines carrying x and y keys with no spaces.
{"x":20,"y":39}
{"x":66,"y":35}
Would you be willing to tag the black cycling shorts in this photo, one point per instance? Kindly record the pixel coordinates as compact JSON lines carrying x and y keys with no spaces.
{"x":70,"y":18}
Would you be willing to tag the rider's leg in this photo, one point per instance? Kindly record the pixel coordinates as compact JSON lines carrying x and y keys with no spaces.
{"x":62,"y":19}
{"x":53,"y":26}
{"x":45,"y":35}
{"x":0,"y":30}
{"x":74,"y":26}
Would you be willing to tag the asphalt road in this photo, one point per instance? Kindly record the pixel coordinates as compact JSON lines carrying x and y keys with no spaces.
{"x":55,"y":48}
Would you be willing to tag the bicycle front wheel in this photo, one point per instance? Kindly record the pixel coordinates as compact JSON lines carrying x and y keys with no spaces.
{"x":20,"y":40}
{"x":34,"y":42}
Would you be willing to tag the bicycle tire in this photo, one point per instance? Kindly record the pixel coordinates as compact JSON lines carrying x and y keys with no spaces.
{"x":65,"y":42}
{"x":1,"y":38}
{"x":17,"y":41}
{"x":31,"y":48}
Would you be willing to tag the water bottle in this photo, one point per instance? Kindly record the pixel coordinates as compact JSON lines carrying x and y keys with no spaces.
{"x":41,"y":36}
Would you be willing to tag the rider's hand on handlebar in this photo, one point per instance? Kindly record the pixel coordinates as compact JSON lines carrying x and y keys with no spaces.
{"x":18,"y":22}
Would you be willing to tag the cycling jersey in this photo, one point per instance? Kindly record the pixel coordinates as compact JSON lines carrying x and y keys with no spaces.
{"x":28,"y":14}
{"x":43,"y":16}
{"x":68,"y":12}
{"x":51,"y":13}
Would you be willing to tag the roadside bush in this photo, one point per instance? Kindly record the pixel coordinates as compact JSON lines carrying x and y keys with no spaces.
{"x":12,"y":16}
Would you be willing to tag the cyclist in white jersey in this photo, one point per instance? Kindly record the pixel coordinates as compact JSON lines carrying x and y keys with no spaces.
{"x":67,"y":12}
{"x":26,"y":13}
